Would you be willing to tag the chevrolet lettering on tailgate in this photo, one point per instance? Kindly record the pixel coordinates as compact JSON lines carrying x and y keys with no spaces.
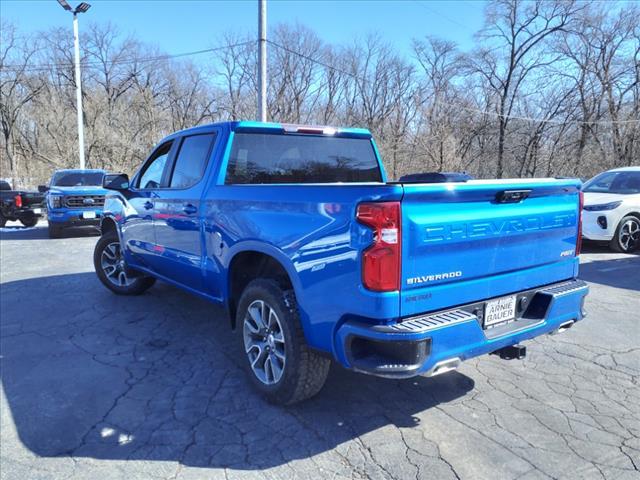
{"x":463,"y":230}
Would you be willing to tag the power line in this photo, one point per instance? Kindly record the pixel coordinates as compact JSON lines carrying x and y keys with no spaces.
{"x":449,"y":19}
{"x":471,"y":109}
{"x":318,"y":62}
{"x":41,"y":67}
{"x":48,"y":66}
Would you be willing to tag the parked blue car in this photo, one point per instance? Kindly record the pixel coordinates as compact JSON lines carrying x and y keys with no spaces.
{"x":317,"y":257}
{"x":75,"y":198}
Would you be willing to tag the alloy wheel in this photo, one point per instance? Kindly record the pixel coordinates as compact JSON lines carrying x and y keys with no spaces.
{"x":114,"y":267}
{"x":264,"y":342}
{"x":629,"y":234}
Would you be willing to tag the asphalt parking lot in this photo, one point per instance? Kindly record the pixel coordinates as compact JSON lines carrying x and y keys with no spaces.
{"x":96,"y":386}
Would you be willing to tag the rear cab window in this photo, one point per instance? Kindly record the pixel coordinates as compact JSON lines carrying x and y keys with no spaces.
{"x":266,"y":158}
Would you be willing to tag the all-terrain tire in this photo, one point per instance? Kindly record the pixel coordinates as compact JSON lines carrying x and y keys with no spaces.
{"x":305,"y":371}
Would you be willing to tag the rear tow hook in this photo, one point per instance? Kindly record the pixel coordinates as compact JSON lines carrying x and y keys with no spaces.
{"x":512,"y":352}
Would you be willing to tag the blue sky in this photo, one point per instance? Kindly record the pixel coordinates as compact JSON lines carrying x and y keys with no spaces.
{"x":181,"y":26}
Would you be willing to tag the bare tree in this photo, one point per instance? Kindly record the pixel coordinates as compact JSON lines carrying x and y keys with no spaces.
{"x":516,"y":32}
{"x":17,"y":89}
{"x":552,"y":89}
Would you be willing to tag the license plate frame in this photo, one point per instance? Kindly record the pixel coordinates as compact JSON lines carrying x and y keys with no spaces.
{"x":499,"y":311}
{"x":89,"y":215}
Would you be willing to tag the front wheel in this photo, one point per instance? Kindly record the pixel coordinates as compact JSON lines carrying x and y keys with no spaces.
{"x":627,"y":236}
{"x":55,"y":231}
{"x":278,"y":360}
{"x":112,"y":270}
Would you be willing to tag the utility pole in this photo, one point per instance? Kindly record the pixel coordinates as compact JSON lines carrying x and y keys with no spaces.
{"x":262,"y":57}
{"x":76,"y":41}
{"x":82,"y":8}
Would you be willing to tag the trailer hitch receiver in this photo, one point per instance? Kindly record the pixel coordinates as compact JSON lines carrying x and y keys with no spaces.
{"x":512,"y":352}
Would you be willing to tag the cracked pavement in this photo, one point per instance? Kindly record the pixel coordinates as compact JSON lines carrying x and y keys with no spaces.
{"x":100,"y":386}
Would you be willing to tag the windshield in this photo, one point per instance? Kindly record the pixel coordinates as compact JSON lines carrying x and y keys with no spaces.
{"x":77,"y":179}
{"x":624,"y":183}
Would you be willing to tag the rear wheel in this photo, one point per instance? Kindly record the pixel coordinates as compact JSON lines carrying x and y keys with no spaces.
{"x":278,"y":360}
{"x":112,"y":270}
{"x":29,"y":221}
{"x":627,"y":236}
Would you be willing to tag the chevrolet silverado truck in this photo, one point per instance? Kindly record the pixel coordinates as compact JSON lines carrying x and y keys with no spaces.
{"x":27,"y":207}
{"x":75,"y":198}
{"x":317,"y":257}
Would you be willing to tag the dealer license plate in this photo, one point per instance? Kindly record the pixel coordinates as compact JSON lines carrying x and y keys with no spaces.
{"x":88,"y":214}
{"x":499,"y":311}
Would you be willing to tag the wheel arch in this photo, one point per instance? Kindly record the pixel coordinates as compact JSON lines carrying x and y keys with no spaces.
{"x":256,"y":261}
{"x":108,"y":225}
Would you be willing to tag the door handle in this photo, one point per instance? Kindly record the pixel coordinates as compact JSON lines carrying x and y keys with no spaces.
{"x":189,"y":209}
{"x":148,"y":205}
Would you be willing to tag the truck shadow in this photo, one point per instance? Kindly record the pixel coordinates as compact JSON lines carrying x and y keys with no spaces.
{"x":40,"y":232}
{"x":159,"y":377}
{"x":615,"y":272}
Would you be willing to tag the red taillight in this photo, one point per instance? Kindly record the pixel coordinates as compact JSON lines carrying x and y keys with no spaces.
{"x":579,"y":239}
{"x":18,"y":201}
{"x":381,"y":261}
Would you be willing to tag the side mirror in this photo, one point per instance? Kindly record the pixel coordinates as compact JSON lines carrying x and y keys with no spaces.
{"x":43,"y":188}
{"x":116,"y":181}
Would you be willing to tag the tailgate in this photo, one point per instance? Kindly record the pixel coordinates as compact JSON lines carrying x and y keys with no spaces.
{"x":462,"y":242}
{"x":31,"y":199}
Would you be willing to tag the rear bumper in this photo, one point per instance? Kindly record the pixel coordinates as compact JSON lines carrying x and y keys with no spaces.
{"x":437,"y":342}
{"x":27,"y":212}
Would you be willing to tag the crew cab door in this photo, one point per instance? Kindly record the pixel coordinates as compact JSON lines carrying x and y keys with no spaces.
{"x":178,"y":213}
{"x":137,"y":230}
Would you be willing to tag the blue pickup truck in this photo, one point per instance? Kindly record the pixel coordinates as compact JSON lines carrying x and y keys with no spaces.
{"x":75,"y":198}
{"x":317,"y":257}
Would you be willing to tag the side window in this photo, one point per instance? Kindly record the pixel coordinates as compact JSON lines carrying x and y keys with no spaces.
{"x":191,"y":160}
{"x":151,"y":176}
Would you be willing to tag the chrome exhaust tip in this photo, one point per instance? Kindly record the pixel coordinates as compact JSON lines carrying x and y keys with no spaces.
{"x":563,"y":327}
{"x":444,"y":366}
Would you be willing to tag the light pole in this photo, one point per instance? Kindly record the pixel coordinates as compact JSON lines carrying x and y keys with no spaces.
{"x":262,"y":54}
{"x":83,"y":7}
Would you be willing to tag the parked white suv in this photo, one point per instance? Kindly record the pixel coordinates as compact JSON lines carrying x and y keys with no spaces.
{"x":611,"y":209}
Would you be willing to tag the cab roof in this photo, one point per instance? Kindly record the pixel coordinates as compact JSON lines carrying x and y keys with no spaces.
{"x":625,"y":169}
{"x":86,"y":170}
{"x":276,"y":128}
